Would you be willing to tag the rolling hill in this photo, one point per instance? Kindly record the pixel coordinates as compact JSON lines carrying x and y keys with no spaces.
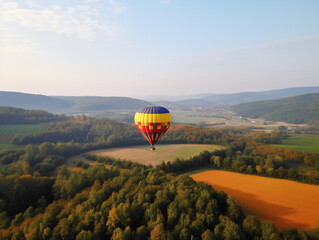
{"x":11,"y":115}
{"x":94,"y":105}
{"x":297,"y":109}
{"x":244,"y":97}
{"x":33,"y":101}
{"x":70,"y":105}
{"x":90,"y":103}
{"x":209,"y":100}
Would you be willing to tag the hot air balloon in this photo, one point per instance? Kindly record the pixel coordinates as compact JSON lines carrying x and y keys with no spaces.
{"x":152,"y":122}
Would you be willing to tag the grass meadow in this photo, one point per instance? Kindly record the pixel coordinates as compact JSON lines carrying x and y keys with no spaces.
{"x":224,"y":119}
{"x":301,"y":143}
{"x":8,"y":131}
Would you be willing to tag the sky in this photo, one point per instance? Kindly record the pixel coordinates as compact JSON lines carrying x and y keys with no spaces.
{"x":157,"y":47}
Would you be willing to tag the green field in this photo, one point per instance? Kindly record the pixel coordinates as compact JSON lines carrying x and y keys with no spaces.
{"x":6,"y":146}
{"x":222,"y":120}
{"x":143,"y":154}
{"x":301,"y":143}
{"x":21,"y":129}
{"x":193,"y":117}
{"x":7,"y":132}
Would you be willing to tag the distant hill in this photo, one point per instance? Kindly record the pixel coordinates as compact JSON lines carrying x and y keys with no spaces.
{"x":99,"y":106}
{"x":208,"y":100}
{"x":297,"y":109}
{"x":171,"y":105}
{"x":153,"y":98}
{"x":11,"y":115}
{"x":195,"y":103}
{"x":32,"y":101}
{"x":87,"y":104}
{"x":244,"y":97}
{"x":70,"y":105}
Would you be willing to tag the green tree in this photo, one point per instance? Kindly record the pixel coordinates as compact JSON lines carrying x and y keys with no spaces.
{"x":252,"y":226}
{"x":85,"y":235}
{"x":234,"y":211}
{"x":269,"y":231}
{"x":227,"y":229}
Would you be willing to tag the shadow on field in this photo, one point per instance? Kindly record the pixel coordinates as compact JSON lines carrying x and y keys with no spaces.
{"x":265,"y":211}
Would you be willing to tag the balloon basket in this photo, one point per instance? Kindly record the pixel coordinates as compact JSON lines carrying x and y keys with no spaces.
{"x":153,"y":148}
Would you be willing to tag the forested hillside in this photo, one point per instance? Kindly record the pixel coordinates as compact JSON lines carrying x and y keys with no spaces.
{"x":90,"y":104}
{"x":70,"y":105}
{"x":245,"y":97}
{"x":142,"y":204}
{"x":10,"y":115}
{"x":298,"y":109}
{"x":32,"y":101}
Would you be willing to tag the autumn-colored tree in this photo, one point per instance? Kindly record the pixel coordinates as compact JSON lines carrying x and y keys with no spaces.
{"x":158,"y":232}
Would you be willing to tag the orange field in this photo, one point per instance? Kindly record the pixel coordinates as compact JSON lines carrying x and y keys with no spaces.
{"x":287,"y":203}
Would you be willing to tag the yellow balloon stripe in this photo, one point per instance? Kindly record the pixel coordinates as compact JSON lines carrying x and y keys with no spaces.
{"x":145,"y":118}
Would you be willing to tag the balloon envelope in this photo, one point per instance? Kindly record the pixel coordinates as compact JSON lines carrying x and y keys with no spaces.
{"x":152,"y":122}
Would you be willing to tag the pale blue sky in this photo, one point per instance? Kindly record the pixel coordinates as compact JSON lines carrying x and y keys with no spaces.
{"x":157,"y":47}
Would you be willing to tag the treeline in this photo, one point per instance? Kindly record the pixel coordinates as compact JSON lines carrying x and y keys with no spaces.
{"x":99,"y":131}
{"x":111,"y":133}
{"x":297,"y":109}
{"x":124,"y":164}
{"x":310,"y":129}
{"x":11,"y":115}
{"x":143,"y":204}
{"x":252,"y":158}
{"x":37,"y":159}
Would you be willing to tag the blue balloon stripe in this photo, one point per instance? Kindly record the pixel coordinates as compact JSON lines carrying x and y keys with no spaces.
{"x":153,"y":110}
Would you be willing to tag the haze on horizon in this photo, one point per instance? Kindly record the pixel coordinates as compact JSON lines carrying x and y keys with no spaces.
{"x":157,"y":47}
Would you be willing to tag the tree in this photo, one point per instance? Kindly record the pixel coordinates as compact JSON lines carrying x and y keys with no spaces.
{"x":259,"y":169}
{"x":19,"y":218}
{"x":85,"y":235}
{"x":208,"y":235}
{"x":252,"y":226}
{"x":113,"y":219}
{"x":293,"y":173}
{"x":184,"y":234}
{"x":46,"y":149}
{"x":158,"y":232}
{"x":269,"y":231}
{"x":118,"y":234}
{"x":227,"y":229}
{"x":216,"y":161}
{"x":234,"y":211}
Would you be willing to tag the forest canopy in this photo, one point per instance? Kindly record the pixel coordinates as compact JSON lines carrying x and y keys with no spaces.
{"x":11,"y":115}
{"x":297,"y":109}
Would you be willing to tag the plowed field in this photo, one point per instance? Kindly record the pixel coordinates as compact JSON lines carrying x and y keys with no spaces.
{"x":287,"y":203}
